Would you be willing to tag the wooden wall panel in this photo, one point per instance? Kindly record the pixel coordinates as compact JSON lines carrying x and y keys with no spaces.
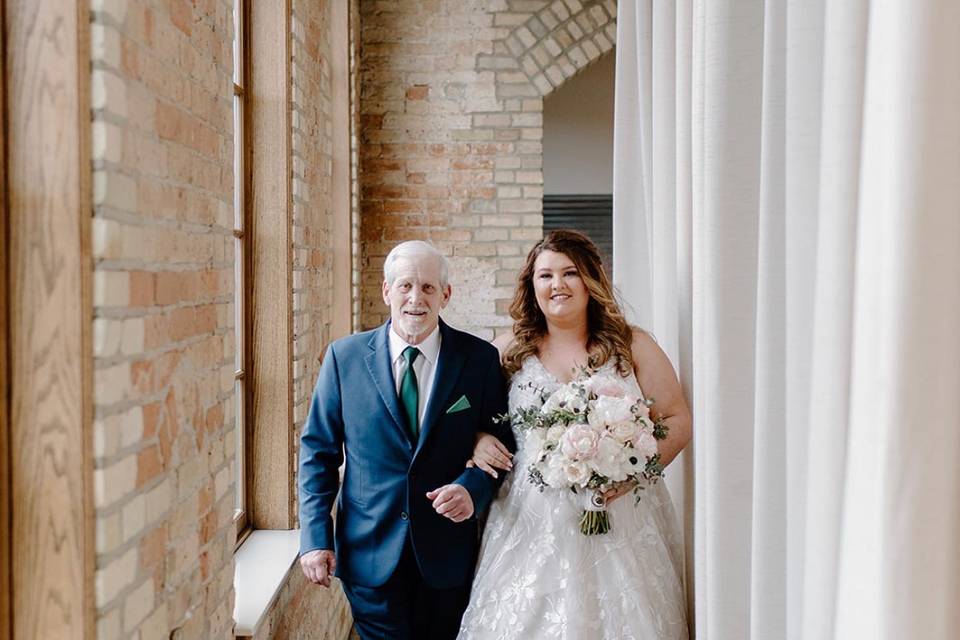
{"x":269,"y":229}
{"x":5,"y":624}
{"x":47,"y":70}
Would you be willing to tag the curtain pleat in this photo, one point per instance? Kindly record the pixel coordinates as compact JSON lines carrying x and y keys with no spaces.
{"x":845,"y":29}
{"x":787,"y":225}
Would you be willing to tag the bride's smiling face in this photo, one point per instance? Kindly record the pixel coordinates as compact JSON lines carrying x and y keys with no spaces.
{"x":560,"y":291}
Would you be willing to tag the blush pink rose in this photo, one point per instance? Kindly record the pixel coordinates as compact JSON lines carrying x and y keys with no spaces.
{"x":646,"y":445}
{"x":580,"y":442}
{"x":605,"y":386}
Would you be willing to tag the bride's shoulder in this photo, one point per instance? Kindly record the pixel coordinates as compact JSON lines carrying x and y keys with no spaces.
{"x":649,"y":360}
{"x":643,"y":347}
{"x":502,"y":342}
{"x":642,"y":339}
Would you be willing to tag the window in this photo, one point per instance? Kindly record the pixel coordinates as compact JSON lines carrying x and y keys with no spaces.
{"x":265,"y":243}
{"x":589,"y":214}
{"x":241,"y":516}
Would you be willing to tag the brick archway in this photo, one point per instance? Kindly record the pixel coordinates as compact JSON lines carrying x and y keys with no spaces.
{"x":548,"y":47}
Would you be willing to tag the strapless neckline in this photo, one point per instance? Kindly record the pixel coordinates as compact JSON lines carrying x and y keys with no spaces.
{"x":554,"y":377}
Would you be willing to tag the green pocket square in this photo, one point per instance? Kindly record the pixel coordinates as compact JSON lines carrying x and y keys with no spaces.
{"x":460,"y":405}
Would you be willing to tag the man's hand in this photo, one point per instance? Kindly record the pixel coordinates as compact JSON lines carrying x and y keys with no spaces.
{"x":452,"y":501}
{"x":318,"y":565}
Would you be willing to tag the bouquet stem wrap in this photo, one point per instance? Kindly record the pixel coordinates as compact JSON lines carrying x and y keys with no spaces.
{"x":594,"y":520}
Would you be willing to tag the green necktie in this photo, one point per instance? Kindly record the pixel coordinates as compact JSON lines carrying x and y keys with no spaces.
{"x":409,"y":394}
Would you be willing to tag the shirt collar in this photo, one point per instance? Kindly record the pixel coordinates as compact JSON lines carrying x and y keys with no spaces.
{"x":430,"y":347}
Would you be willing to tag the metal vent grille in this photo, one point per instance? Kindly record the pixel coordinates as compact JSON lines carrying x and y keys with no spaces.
{"x":590,"y":214}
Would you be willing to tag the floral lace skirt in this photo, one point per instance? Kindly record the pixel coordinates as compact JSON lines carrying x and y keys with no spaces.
{"x":539,"y":577}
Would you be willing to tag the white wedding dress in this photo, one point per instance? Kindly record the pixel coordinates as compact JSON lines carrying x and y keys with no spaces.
{"x":539,"y":577}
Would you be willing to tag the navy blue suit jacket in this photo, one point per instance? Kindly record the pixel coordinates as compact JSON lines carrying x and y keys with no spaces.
{"x":355,"y":410}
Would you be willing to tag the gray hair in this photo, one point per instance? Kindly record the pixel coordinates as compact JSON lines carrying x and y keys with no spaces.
{"x":415,"y":249}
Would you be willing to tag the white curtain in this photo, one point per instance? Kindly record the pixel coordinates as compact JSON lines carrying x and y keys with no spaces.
{"x":787,"y":224}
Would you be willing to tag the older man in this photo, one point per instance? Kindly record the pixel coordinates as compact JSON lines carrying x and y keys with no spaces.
{"x":404,"y":403}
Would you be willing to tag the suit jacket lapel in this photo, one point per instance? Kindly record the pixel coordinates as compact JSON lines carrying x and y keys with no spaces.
{"x":380,"y":368}
{"x":449,"y":365}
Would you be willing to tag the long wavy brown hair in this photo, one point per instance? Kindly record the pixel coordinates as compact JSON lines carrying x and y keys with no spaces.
{"x":608,"y":334}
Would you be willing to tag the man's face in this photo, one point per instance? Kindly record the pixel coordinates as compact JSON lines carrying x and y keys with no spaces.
{"x":415,"y":297}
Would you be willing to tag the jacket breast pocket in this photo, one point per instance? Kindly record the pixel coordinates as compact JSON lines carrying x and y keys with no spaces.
{"x":460,"y":404}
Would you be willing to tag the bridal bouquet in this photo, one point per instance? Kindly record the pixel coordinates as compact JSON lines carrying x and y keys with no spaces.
{"x":588,"y":434}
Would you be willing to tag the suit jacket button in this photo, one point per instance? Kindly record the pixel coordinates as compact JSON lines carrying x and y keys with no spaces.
{"x":404,"y":516}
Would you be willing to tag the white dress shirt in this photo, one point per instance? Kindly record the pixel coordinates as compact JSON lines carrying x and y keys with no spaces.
{"x":424,"y":366}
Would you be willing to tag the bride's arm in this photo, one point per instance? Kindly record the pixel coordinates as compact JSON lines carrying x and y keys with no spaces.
{"x":659,"y":382}
{"x":488,"y":452}
{"x":502,"y":342}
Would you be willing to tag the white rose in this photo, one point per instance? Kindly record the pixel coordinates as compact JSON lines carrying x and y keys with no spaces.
{"x":625,"y":431}
{"x":607,"y":410}
{"x":610,"y":459}
{"x":577,"y":473}
{"x":552,"y":471}
{"x":554,"y":433}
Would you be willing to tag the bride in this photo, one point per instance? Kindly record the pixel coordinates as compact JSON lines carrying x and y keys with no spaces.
{"x":538,"y":576}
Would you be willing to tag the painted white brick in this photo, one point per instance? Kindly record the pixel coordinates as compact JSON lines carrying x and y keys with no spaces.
{"x":115,"y":577}
{"x":108,"y":532}
{"x":114,"y":482}
{"x":111,"y":384}
{"x":105,"y":44}
{"x":134,"y":516}
{"x":107,"y":234}
{"x":115,"y":9}
{"x":107,"y":141}
{"x":133,"y":336}
{"x":110,"y":288}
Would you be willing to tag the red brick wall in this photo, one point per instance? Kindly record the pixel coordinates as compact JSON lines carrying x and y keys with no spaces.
{"x":312,"y":198}
{"x":163,"y":316}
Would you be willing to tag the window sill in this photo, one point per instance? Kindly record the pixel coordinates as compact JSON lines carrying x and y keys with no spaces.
{"x":261,"y":566}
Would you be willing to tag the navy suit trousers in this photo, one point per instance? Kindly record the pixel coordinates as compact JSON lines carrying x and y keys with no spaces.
{"x":406,"y":608}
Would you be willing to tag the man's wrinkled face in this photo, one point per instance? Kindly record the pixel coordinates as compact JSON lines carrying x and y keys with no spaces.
{"x":415,"y":297}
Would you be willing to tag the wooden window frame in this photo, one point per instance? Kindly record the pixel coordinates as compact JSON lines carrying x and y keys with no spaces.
{"x":267,"y":232}
{"x":269,"y":243}
{"x":341,"y":321}
{"x":241,"y":516}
